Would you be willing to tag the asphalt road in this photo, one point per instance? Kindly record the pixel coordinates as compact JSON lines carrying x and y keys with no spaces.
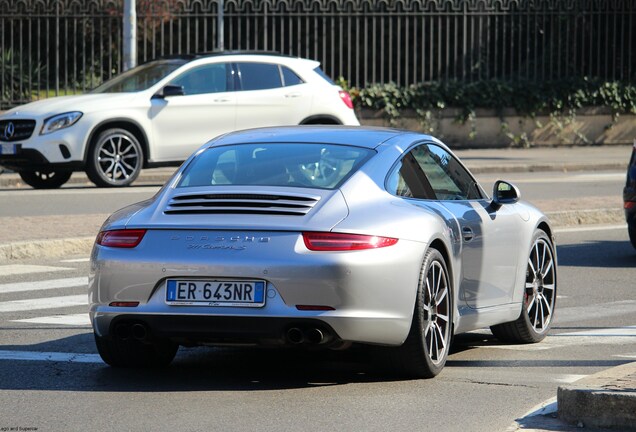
{"x":51,"y":378}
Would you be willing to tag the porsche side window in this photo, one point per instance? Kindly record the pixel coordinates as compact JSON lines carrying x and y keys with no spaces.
{"x":447,"y":177}
{"x":408,"y":180}
{"x":210,"y":78}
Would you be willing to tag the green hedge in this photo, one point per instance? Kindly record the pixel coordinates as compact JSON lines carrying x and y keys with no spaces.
{"x":558,"y":99}
{"x":528,"y":98}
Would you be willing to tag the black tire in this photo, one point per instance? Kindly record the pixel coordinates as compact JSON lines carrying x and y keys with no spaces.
{"x":421,"y":355}
{"x":539,"y":298}
{"x":45,"y":179}
{"x":115,"y":158}
{"x":632,"y":235}
{"x":131,"y":353}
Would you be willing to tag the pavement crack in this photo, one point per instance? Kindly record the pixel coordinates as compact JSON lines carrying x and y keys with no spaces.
{"x":469,"y":381}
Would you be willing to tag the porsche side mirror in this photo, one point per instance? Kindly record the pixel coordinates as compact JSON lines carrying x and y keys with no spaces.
{"x":504,"y":193}
{"x":169,"y":90}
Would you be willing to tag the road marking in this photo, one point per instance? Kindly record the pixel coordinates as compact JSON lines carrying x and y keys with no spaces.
{"x":44,"y":303}
{"x":77,"y":260}
{"x":590,"y":228}
{"x":606,"y":336}
{"x":50,"y":356}
{"x":44,"y":285}
{"x":541,"y":417}
{"x":542,"y":346}
{"x":629,"y":356}
{"x":574,"y":178}
{"x":70,"y":320}
{"x":19,"y":269}
{"x":569,"y":379}
{"x":602,"y":310}
{"x":604,"y":332}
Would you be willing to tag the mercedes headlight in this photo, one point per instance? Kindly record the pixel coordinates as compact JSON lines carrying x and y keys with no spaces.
{"x":60,"y":121}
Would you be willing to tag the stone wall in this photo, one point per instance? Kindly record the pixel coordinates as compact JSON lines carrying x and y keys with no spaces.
{"x":590,"y":126}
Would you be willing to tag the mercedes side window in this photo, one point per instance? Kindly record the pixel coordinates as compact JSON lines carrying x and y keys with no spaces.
{"x":447,"y":177}
{"x":259,"y":76}
{"x":204,"y":79}
{"x":289,"y":77}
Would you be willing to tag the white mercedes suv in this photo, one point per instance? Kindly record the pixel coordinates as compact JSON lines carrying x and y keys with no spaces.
{"x":158,"y":113}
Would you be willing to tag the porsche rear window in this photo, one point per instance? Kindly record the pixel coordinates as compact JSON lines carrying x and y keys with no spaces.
{"x":321,"y":166}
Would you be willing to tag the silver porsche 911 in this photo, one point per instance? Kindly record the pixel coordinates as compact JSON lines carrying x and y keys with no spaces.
{"x":321,"y":236}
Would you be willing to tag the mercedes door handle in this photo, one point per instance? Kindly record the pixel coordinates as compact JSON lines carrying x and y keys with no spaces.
{"x":292,"y":95}
{"x":221,"y":100}
{"x":467,"y":233}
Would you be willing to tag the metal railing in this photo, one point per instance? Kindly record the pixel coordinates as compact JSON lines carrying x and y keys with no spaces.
{"x":56,"y":47}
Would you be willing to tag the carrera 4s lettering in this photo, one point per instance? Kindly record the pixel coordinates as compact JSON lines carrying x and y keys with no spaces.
{"x":220,"y":243}
{"x":242,"y":239}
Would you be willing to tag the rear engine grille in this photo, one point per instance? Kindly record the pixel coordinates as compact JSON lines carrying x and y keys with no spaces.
{"x":16,"y":130}
{"x":265,"y":204}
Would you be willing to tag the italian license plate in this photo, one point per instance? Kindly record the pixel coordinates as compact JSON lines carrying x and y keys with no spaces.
{"x":8,"y":149}
{"x":250,"y":293}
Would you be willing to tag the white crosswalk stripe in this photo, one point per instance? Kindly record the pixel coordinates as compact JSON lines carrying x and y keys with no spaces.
{"x":70,"y":320}
{"x":50,"y":356}
{"x":76,"y":260}
{"x":606,"y":336}
{"x":43,"y":285}
{"x":20,"y":269}
{"x":43,"y":303}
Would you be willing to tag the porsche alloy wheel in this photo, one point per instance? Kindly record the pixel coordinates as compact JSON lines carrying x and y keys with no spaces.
{"x":426,"y":348}
{"x":540,"y":293}
{"x":539,"y":297}
{"x":115,"y":159}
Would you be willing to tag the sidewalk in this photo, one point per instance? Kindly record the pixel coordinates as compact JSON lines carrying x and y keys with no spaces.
{"x":611,"y":392}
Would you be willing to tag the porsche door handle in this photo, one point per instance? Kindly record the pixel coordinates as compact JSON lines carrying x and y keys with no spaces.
{"x":467,"y":233}
{"x":221,"y":100}
{"x":292,"y":95}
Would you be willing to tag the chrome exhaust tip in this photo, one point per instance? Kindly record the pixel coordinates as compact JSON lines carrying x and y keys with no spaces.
{"x":295,"y":336}
{"x":315,"y":336}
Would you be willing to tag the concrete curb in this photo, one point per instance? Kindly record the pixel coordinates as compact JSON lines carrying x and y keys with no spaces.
{"x":602,"y":216}
{"x":38,"y":249}
{"x":606,"y":399}
{"x":557,"y":167}
{"x":13,"y":181}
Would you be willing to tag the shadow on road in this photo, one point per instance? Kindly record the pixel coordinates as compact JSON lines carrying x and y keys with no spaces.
{"x":239,"y":369}
{"x":607,"y":254}
{"x":194,"y":369}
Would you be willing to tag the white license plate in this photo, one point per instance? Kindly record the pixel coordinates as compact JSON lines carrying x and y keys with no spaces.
{"x":244,"y":293}
{"x":8,"y":148}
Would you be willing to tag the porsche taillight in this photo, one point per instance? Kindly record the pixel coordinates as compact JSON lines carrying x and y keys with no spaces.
{"x":120,"y":238}
{"x":328,"y":241}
